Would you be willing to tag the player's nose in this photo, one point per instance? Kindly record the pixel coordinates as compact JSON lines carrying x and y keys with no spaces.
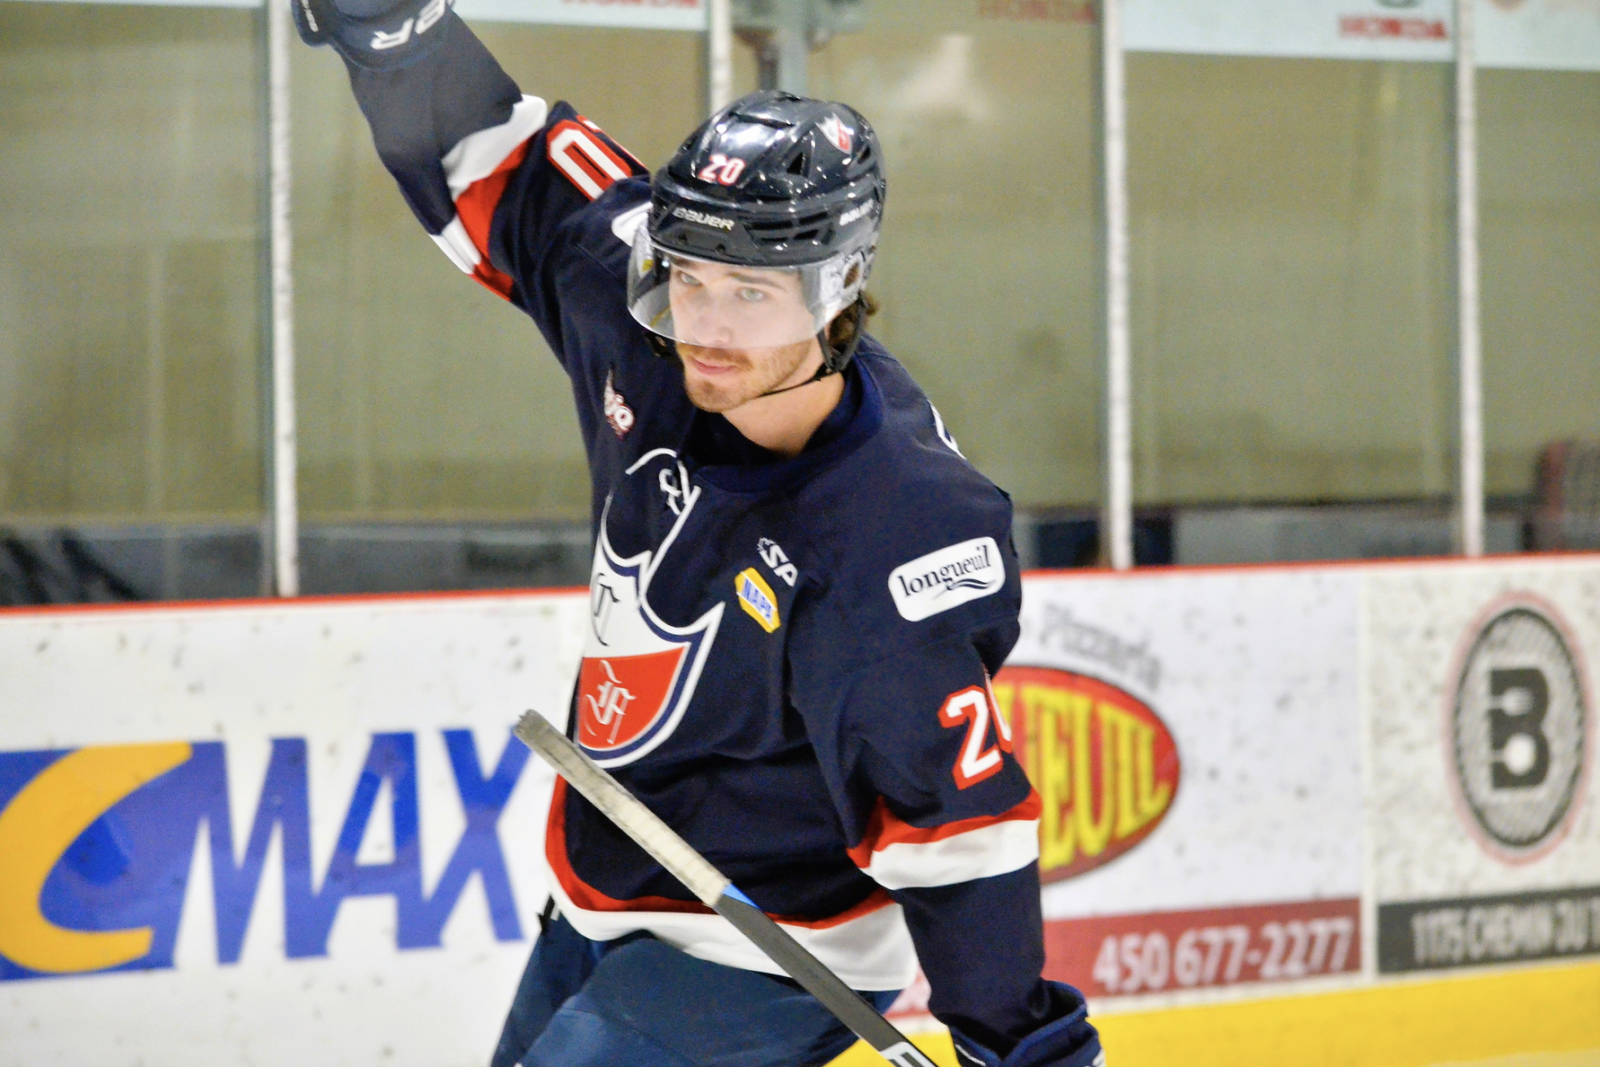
{"x":707,"y":327}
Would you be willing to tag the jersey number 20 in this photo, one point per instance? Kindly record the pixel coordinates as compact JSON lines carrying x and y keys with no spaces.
{"x":973,"y":708}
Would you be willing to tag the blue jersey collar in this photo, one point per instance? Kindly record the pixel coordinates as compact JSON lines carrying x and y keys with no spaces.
{"x":723,"y":457}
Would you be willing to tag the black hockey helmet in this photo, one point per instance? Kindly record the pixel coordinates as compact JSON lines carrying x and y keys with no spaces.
{"x":773,"y":181}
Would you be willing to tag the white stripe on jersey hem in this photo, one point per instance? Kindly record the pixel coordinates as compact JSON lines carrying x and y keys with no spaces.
{"x":871,"y":953}
{"x":999,"y":848}
{"x":477,"y":155}
{"x":455,"y":243}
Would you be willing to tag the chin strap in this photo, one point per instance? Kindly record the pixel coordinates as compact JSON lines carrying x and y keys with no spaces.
{"x":825,"y":371}
{"x":833,"y":361}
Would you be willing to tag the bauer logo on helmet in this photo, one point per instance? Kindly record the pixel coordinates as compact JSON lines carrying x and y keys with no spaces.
{"x":703,"y":219}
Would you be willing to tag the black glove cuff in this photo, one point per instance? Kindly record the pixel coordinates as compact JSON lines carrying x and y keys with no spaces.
{"x":1066,"y":1041}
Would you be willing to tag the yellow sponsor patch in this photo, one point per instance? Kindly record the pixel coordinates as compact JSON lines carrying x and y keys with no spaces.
{"x":758,"y":600}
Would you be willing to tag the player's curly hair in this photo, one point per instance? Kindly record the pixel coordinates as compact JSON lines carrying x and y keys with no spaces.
{"x":851,"y":321}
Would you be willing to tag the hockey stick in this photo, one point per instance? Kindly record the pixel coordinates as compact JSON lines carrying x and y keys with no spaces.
{"x":715,"y":891}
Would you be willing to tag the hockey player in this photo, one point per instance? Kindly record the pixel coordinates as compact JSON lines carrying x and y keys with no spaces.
{"x":800,"y":588}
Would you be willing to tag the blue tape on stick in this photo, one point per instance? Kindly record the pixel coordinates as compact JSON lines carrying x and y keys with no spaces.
{"x":733,"y":891}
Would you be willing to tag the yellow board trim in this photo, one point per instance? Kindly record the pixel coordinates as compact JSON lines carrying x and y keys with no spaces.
{"x":36,"y":829}
{"x":1462,"y":1020}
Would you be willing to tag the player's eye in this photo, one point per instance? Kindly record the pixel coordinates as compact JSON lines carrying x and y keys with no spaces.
{"x":685,"y":278}
{"x":752,"y":296}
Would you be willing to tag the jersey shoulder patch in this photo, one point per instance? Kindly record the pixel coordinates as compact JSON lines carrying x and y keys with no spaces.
{"x":947,"y":578}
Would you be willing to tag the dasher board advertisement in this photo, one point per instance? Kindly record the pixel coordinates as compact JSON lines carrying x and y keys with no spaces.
{"x":635,"y":14}
{"x":1534,"y":34}
{"x":623,"y":14}
{"x":271,"y":834}
{"x":1485,"y":820}
{"x":1196,"y":742}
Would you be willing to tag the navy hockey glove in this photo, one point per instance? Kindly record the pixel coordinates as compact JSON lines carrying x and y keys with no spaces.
{"x":1069,"y":1041}
{"x":375,"y":34}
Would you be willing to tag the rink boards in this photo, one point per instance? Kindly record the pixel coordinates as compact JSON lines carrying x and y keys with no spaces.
{"x":254,"y":833}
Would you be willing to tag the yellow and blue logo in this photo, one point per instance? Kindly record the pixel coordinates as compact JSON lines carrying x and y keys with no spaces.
{"x":758,"y":599}
{"x":96,"y":846}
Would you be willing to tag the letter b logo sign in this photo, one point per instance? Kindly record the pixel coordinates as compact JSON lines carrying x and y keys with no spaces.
{"x":1516,"y":727}
{"x":1519,"y":726}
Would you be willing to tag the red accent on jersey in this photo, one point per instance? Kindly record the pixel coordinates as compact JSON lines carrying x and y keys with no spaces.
{"x":885,"y":828}
{"x":582,"y":893}
{"x":475,"y":207}
{"x":587,"y":897}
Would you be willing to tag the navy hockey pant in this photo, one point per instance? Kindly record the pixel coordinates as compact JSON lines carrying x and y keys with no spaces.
{"x":639,"y":1001}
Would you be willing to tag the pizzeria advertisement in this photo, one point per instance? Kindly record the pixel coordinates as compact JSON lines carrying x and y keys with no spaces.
{"x":1196,"y":742}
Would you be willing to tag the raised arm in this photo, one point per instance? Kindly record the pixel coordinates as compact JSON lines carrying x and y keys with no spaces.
{"x":492,"y":175}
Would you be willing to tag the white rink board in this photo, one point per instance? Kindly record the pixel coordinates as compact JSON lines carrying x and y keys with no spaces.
{"x":1425,"y":845}
{"x":1306,"y":704}
{"x":331,"y":674}
{"x":1254,"y":673}
{"x":632,"y":14}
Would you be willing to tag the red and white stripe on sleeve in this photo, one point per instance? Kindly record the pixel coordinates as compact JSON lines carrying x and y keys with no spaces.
{"x":477,"y":169}
{"x":897,"y":855}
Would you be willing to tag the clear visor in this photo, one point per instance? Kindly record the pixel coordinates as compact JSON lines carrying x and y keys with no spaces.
{"x":723,"y":305}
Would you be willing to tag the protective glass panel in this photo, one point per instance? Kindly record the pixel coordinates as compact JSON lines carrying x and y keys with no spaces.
{"x":1539,"y":158}
{"x":1293,"y":315}
{"x":130,"y":259}
{"x":986,"y":268}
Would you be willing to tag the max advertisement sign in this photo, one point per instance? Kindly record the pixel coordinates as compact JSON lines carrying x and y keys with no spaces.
{"x":98,"y":844}
{"x":272,"y":834}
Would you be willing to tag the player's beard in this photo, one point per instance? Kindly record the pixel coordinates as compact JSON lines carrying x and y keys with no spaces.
{"x":753,"y":373}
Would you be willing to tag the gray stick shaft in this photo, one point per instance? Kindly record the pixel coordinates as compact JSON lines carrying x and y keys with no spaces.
{"x":618,"y":805}
{"x":845,"y":1003}
{"x":715,"y":891}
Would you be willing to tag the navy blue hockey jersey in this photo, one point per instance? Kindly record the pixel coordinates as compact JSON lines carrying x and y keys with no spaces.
{"x":786,"y":659}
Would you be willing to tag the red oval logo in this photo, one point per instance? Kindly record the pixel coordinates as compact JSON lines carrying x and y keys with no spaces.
{"x":1105,"y":765}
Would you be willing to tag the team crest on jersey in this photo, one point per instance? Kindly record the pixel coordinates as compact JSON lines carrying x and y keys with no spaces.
{"x":638,"y":673}
{"x":757,"y":599}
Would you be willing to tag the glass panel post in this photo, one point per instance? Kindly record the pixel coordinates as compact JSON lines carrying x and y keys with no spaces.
{"x":285,"y":505}
{"x":1117,"y":437}
{"x":1469,"y":347}
{"x":719,"y":52}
